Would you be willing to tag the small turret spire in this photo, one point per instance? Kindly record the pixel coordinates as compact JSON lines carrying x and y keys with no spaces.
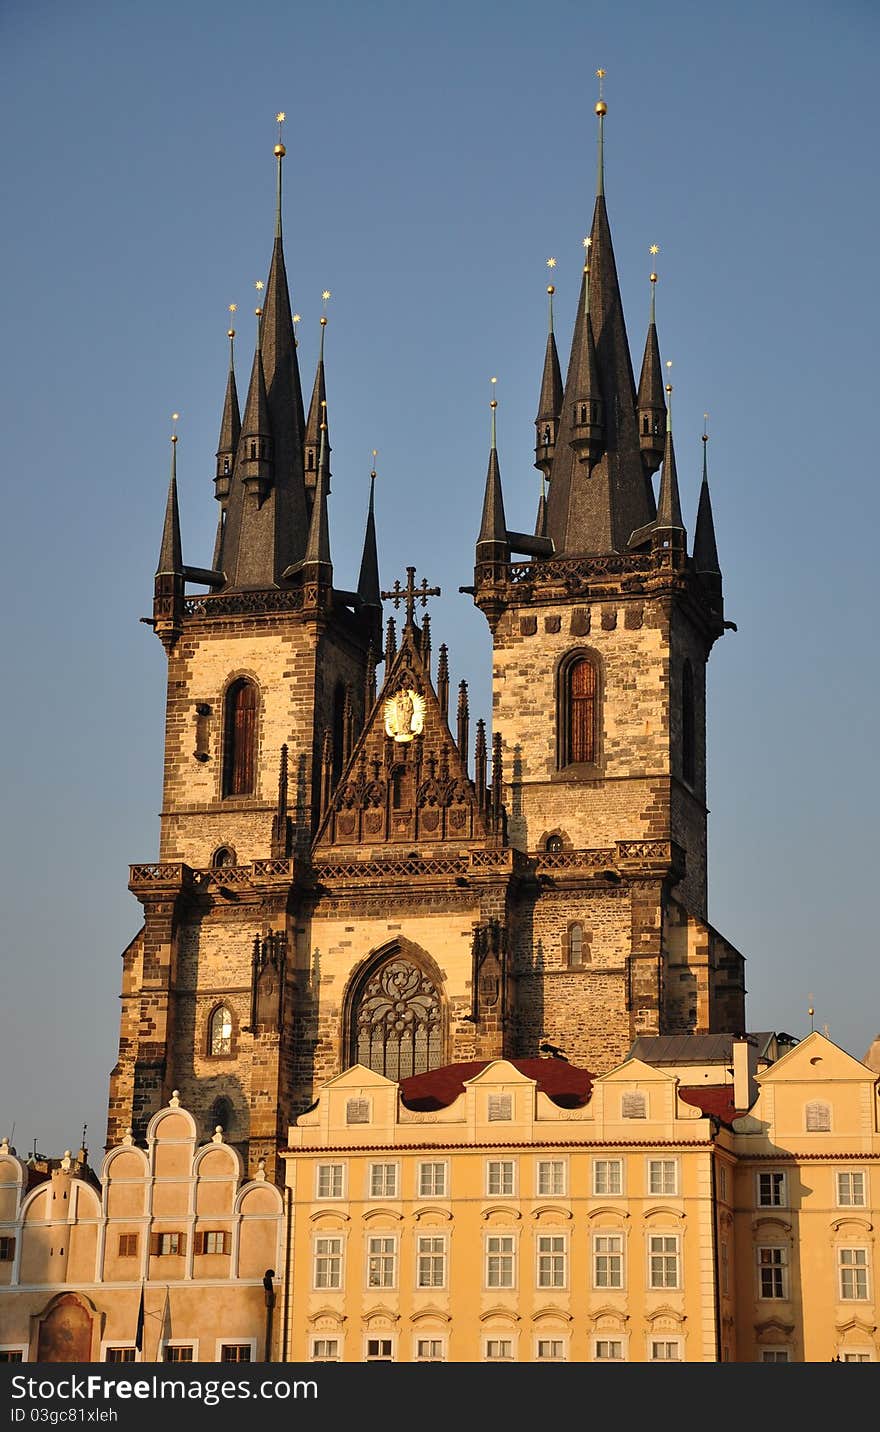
{"x":368,"y":587}
{"x":168,"y":584}
{"x":669,"y":529}
{"x":705,"y":549}
{"x":651,"y":403}
{"x":318,"y":546}
{"x":588,"y":416}
{"x":230,"y":425}
{"x":550,"y":401}
{"x":170,"y":554}
{"x":317,"y":408}
{"x":493,"y":528}
{"x":256,"y":447}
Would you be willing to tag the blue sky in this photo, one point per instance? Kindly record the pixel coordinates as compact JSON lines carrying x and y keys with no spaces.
{"x":436,"y":157}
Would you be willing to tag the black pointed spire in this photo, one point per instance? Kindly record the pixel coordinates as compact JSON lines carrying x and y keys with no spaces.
{"x":651,"y":402}
{"x":255,"y":456}
{"x":669,"y":529}
{"x":596,"y":509}
{"x":705,"y":549}
{"x":550,"y":401}
{"x":492,"y":541}
{"x":317,"y":413}
{"x":230,"y":429}
{"x":168,"y":584}
{"x":368,"y":578}
{"x":318,"y":545}
{"x":263,"y":538}
{"x":587,"y":407}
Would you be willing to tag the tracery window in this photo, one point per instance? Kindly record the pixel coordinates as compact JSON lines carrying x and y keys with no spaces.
{"x":396,"y":1026}
{"x":240,"y":739}
{"x":220,"y":1031}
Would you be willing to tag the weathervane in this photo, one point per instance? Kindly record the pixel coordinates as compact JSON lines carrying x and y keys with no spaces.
{"x":410,"y":594}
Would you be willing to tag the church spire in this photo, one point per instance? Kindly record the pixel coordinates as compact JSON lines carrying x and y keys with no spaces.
{"x":652,"y":405}
{"x":230,"y":426}
{"x":669,"y":529}
{"x":168,"y":584}
{"x":255,"y":458}
{"x":492,"y":541}
{"x":706,"y":562}
{"x":317,"y":408}
{"x":318,"y":545}
{"x":368,"y":577}
{"x":263,"y":538}
{"x":588,"y":415}
{"x":595,"y":506}
{"x":550,"y":401}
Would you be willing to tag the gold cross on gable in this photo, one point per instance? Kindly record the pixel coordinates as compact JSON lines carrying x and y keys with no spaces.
{"x":410,"y":594}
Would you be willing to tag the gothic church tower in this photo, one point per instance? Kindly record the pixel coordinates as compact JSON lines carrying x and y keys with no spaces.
{"x":347,"y":873}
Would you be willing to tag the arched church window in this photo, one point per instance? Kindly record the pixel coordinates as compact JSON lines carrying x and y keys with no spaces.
{"x":240,"y":739}
{"x":220,"y":1031}
{"x":688,"y":725}
{"x":576,"y":710}
{"x":397,"y":1021}
{"x":554,"y":844}
{"x":223,"y":855}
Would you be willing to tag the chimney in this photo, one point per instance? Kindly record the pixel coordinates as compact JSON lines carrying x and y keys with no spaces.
{"x":743,"y":1084}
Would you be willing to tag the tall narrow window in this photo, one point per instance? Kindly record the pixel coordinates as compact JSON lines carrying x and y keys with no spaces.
{"x":240,"y":748}
{"x":688,"y":725}
{"x":220,"y":1031}
{"x":581,"y":711}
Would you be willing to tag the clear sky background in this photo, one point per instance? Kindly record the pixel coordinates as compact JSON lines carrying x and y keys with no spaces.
{"x":437,"y":155}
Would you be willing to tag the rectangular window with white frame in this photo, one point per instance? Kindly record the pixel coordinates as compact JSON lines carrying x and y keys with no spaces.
{"x":325,"y":1350}
{"x":851,"y":1191}
{"x":430,"y":1350}
{"x":382,"y":1261}
{"x":243,"y":1351}
{"x":500,"y":1261}
{"x":431,"y":1260}
{"x":500,"y":1178}
{"x":327,"y":1263}
{"x":550,"y":1178}
{"x":120,"y":1352}
{"x":772,"y":1272}
{"x":607,"y":1260}
{"x":551,"y":1350}
{"x":330,"y":1180}
{"x":13,"y":1352}
{"x":775,"y":1354}
{"x":608,"y":1177}
{"x":665,"y":1350}
{"x":852,"y":1266}
{"x":853,"y":1356}
{"x":383,"y":1180}
{"x":552,"y":1251}
{"x":498,"y":1350}
{"x":771,"y":1190}
{"x":433,"y":1180}
{"x":663,"y":1177}
{"x":180,"y":1351}
{"x":379,"y":1350}
{"x":609,"y":1350}
{"x":664,"y":1256}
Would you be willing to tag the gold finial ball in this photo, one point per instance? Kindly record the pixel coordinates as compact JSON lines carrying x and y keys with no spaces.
{"x":323,"y":320}
{"x":669,"y":387}
{"x":601,"y":107}
{"x":550,"y":288}
{"x":653,"y":278}
{"x":494,"y":403}
{"x":279,"y":151}
{"x":230,"y":333}
{"x":258,"y":313}
{"x":705,"y":437}
{"x":174,"y":437}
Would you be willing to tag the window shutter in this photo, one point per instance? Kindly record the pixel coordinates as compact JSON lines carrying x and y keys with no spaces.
{"x":199,"y":1242}
{"x":582,"y":711}
{"x":154,"y":1244}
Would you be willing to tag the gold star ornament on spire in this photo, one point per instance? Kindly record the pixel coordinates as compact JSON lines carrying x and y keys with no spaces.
{"x":551,"y":263}
{"x":259,"y":285}
{"x":601,"y":106}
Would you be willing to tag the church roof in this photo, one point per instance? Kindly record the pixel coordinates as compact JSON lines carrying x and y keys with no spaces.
{"x":564,"y":1083}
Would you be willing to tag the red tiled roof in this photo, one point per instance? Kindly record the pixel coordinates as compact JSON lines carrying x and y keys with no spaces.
{"x":564,"y":1083}
{"x":715,"y":1099}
